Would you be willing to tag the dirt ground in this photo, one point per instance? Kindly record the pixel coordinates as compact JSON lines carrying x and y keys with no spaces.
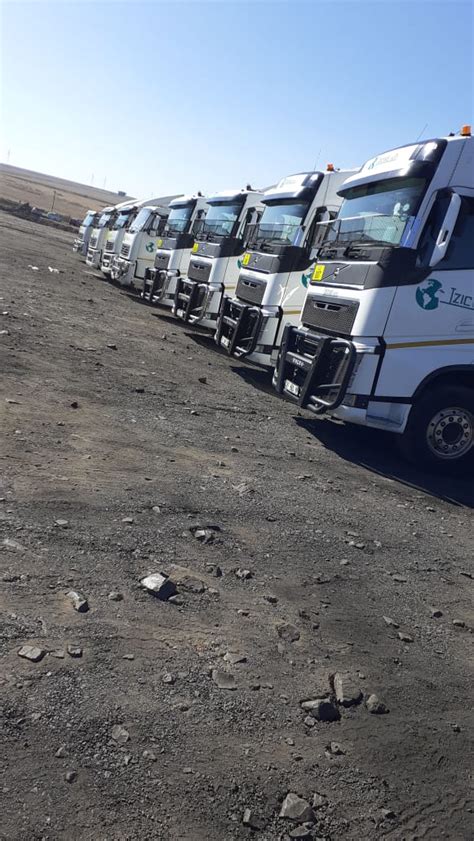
{"x":51,"y":193}
{"x":108,"y":428}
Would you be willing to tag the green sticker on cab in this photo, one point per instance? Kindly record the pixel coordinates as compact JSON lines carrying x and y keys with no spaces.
{"x":318,"y":273}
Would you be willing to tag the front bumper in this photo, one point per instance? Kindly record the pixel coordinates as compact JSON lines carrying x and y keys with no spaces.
{"x":121,"y":271}
{"x":107,"y":260}
{"x":78,"y":245}
{"x":247,"y":330}
{"x":314,"y":370}
{"x":159,"y":286}
{"x":93,"y":257}
{"x":197,"y":303}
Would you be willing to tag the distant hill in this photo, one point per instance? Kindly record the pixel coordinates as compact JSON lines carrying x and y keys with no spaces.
{"x":70,"y":198}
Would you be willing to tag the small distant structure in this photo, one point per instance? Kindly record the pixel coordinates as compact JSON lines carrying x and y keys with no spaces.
{"x":121,"y":193}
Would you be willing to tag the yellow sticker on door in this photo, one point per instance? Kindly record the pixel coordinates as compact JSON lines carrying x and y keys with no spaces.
{"x":195,"y":247}
{"x":318,"y":273}
{"x":246,"y":259}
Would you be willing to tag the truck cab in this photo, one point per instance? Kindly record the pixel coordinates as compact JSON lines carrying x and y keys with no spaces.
{"x":114,"y":237}
{"x":386,"y":335}
{"x":173,"y":250}
{"x":272,"y":280}
{"x":98,"y":236}
{"x":139,"y":244}
{"x":216,"y":256}
{"x":81,"y":243}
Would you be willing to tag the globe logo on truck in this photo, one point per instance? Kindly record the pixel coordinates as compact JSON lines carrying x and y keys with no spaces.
{"x":427,"y":295}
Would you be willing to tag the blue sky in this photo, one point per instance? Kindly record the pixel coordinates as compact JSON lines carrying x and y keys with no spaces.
{"x":168,"y":97}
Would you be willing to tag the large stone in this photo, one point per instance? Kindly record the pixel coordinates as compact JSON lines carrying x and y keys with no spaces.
{"x":294,"y":808}
{"x":345,"y":690}
{"x":160,"y":585}
{"x":322,"y":709}
{"x":31,"y":652}
{"x":78,"y":601}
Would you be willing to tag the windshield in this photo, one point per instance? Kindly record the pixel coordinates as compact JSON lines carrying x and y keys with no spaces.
{"x":139,"y":223}
{"x":179,"y":218}
{"x":122,"y":219}
{"x":104,"y":220}
{"x":88,"y":220}
{"x":220,"y":218}
{"x":281,"y":221}
{"x":377,"y":212}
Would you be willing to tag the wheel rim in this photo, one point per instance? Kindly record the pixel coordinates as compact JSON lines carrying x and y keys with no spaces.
{"x":450,"y":433}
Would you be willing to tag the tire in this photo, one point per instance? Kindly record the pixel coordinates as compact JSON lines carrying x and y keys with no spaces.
{"x":440,"y":430}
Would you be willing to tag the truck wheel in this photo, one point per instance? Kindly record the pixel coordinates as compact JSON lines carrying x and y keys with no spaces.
{"x":440,"y":430}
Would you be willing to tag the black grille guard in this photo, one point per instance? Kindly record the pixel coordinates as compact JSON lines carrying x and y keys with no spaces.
{"x":314,"y":385}
{"x":153,"y":284}
{"x":189,"y":298}
{"x":242,"y":331}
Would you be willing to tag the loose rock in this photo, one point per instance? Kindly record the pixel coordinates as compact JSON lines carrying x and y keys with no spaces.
{"x":347,"y":693}
{"x":224,"y":680}
{"x":288,"y":632}
{"x":244,"y":574}
{"x":31,"y":652}
{"x":161,"y":585}
{"x":62,"y":524}
{"x":253,"y":821}
{"x":404,"y":637}
{"x":115,"y":597}
{"x":79,"y":602}
{"x":120,"y":734}
{"x":70,"y":776}
{"x":390,"y":622}
{"x":322,"y":709}
{"x":294,"y":808}
{"x":74,"y":651}
{"x":375,"y":706}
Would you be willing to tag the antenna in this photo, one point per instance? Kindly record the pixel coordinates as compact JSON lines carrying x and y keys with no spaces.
{"x":422,"y":131}
{"x":317,"y":158}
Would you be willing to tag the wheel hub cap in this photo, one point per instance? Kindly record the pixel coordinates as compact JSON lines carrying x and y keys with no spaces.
{"x":450,"y":432}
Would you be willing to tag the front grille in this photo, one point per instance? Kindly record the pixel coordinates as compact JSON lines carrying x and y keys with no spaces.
{"x":251,"y":291}
{"x":125,"y":250}
{"x":92,"y":242}
{"x":162,"y":260}
{"x":329,"y":314}
{"x":109,"y":246}
{"x":199,"y":271}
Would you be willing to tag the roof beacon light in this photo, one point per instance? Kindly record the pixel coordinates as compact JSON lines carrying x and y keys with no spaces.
{"x":330,"y":168}
{"x":465,"y":131}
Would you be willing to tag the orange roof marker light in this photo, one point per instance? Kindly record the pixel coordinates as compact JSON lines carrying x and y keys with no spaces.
{"x":465,"y":131}
{"x":330,"y":168}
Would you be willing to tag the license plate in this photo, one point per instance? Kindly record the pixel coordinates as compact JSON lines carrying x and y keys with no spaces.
{"x":225,"y":342}
{"x":292,"y":388}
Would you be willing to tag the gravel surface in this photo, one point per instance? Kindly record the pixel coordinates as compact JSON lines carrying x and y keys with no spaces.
{"x":306,"y":570}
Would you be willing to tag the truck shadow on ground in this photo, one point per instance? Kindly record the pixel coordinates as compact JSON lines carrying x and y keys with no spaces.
{"x":371,"y":449}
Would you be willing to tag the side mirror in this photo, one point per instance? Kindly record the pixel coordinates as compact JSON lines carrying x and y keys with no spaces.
{"x":445,"y":230}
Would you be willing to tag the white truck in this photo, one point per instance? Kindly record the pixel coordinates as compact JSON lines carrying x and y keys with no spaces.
{"x":139,"y":246}
{"x":216,"y":257}
{"x":274,"y":275}
{"x":386,"y":337}
{"x":114,"y":236}
{"x":81,"y":243}
{"x":173,"y":250}
{"x":99,"y":233}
